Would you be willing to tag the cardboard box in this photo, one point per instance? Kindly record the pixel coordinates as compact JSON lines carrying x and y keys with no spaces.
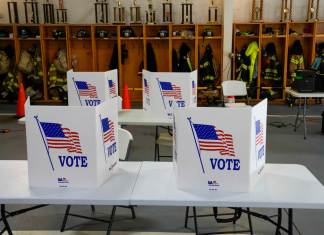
{"x":164,"y":91}
{"x":91,"y":88}
{"x":71,"y":146}
{"x":220,"y":149}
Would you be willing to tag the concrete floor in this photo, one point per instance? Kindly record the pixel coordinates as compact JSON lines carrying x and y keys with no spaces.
{"x":283,"y":146}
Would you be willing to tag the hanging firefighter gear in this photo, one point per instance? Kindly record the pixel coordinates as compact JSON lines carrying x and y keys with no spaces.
{"x":150,"y":59}
{"x":296,"y":60}
{"x":185,"y":64}
{"x":252,"y":52}
{"x":247,"y":63}
{"x":175,"y":62}
{"x":57,"y":77}
{"x":270,"y":64}
{"x":207,"y":69}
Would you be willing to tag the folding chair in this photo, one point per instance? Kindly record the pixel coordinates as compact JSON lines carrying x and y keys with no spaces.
{"x":234,"y":88}
{"x":162,"y":139}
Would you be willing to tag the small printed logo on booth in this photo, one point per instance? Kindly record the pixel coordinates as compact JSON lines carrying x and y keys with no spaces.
{"x":213,"y":185}
{"x":62,"y":180}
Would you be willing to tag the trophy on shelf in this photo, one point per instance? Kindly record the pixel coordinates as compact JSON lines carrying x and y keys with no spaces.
{"x":119,"y":13}
{"x":32,"y":6}
{"x":286,"y":10}
{"x":167,"y":11}
{"x":135,"y":13}
{"x":313,"y":10}
{"x":186,"y":8}
{"x":101,"y":11}
{"x":13,"y":12}
{"x":61,"y":13}
{"x":48,"y":9}
{"x":257,"y":11}
{"x":150,"y":13}
{"x":212,"y":13}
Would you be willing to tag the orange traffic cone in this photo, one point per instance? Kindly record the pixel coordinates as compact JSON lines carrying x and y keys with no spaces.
{"x":126,"y":99}
{"x":20,"y":112}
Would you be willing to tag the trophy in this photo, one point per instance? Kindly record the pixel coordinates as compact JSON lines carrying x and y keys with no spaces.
{"x":13,"y":17}
{"x":212,"y":13}
{"x":119,"y":14}
{"x":61,"y":13}
{"x":48,"y":9}
{"x":313,"y":10}
{"x":286,"y":10}
{"x":150,"y":13}
{"x":186,"y":8}
{"x":135,"y":13}
{"x":31,"y":5}
{"x":101,"y":8}
{"x":257,"y":11}
{"x":167,"y":11}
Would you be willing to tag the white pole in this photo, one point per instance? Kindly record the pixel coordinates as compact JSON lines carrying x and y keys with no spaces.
{"x":228,"y":16}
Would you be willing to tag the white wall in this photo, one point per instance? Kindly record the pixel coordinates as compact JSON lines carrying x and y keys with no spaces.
{"x":82,"y":11}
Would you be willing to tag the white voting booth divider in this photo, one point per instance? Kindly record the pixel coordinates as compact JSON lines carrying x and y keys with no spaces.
{"x":164,"y":91}
{"x":91,"y":88}
{"x":220,"y":149}
{"x":71,"y":146}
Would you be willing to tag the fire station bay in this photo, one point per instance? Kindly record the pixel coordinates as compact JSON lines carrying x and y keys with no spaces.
{"x":161,"y":117}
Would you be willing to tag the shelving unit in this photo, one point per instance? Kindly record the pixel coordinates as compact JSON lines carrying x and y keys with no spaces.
{"x":94,"y":53}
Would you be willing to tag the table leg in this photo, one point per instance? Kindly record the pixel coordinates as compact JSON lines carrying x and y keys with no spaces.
{"x":67,"y":212}
{"x":250,"y":221}
{"x":195,"y":220}
{"x":290,"y":222}
{"x":155,"y":144}
{"x":186,"y":217}
{"x":304,"y":117}
{"x":298,"y":112}
{"x":279,"y":222}
{"x":112,"y":216}
{"x":4,"y":219}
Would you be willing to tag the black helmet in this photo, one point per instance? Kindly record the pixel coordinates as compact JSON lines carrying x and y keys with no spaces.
{"x":102,"y":33}
{"x":24,"y":33}
{"x":58,"y":33}
{"x":4,"y":33}
{"x":82,"y":33}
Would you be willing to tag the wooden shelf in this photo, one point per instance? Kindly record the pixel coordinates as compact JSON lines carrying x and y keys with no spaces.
{"x":183,"y":38}
{"x":131,"y":38}
{"x":302,"y":36}
{"x":6,"y":39}
{"x":320,"y":35}
{"x":81,"y":39}
{"x":106,"y":39}
{"x":252,"y":37}
{"x":157,"y":38}
{"x":211,"y":38}
{"x":272,"y":36}
{"x":55,"y":39}
{"x":29,"y":39}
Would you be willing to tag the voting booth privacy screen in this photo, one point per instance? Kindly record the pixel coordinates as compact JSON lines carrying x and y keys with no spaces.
{"x":220,"y":149}
{"x":165,"y":91}
{"x":71,"y":146}
{"x":91,"y":88}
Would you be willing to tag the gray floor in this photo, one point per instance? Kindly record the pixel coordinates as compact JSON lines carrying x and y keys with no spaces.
{"x":283,"y":146}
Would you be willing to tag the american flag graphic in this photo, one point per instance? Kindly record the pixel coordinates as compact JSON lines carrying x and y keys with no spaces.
{"x":108,"y":130}
{"x":112,"y":88}
{"x":193,"y":88}
{"x":146,"y":87}
{"x":171,"y":90}
{"x":86,"y":89}
{"x":258,"y":133}
{"x":59,"y":137}
{"x":211,"y":139}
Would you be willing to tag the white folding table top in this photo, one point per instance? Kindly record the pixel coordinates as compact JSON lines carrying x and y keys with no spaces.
{"x":138,"y":117}
{"x":297,"y":94}
{"x":283,"y":186}
{"x":135,"y":117}
{"x":14,"y":187}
